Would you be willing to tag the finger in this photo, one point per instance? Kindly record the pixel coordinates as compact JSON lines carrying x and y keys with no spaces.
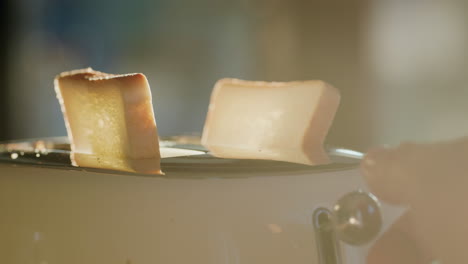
{"x":381,"y":168}
{"x":411,"y":172}
{"x":398,"y":245}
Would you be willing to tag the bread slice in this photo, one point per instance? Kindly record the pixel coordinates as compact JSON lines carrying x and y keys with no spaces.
{"x":109,"y":120}
{"x":284,"y":121}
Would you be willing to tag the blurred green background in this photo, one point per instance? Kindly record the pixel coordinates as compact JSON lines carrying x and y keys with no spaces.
{"x":402,"y":66}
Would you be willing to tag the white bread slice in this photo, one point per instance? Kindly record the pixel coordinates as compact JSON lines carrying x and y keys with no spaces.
{"x":109,"y":120}
{"x":284,"y":121}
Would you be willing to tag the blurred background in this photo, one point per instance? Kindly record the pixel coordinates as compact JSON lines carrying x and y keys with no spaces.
{"x":401,"y":66}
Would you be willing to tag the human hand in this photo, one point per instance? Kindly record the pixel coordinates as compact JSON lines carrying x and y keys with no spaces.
{"x":432,"y":180}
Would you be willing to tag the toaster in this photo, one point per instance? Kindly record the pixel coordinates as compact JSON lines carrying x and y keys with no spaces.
{"x":203,"y":210}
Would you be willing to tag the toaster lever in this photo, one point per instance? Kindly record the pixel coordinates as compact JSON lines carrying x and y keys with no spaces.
{"x":328,"y":247}
{"x":355,"y":219}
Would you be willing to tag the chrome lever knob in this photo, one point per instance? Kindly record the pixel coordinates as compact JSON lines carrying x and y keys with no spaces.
{"x":356,"y":218}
